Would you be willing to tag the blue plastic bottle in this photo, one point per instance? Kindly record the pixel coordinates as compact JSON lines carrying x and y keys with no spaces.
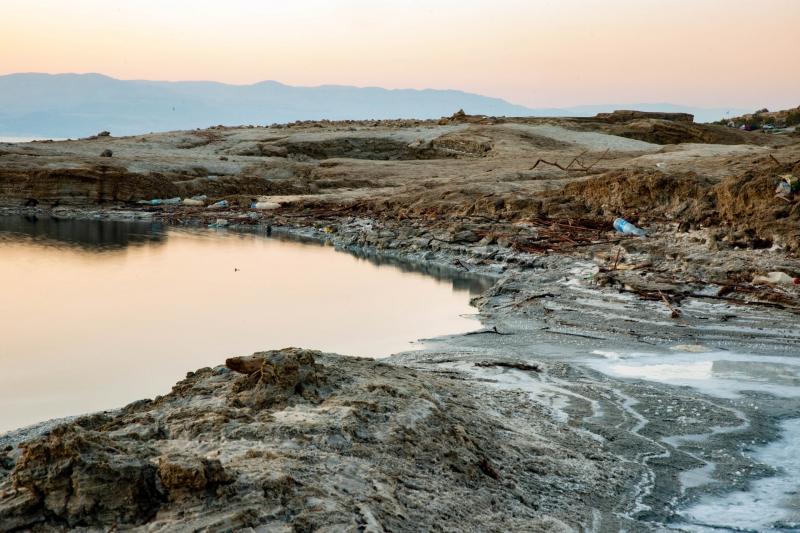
{"x":623,"y":226}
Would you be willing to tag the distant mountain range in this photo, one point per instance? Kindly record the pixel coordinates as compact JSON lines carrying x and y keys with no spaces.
{"x":78,"y":105}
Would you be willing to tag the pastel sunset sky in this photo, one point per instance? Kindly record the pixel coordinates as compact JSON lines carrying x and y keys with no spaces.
{"x":540,"y":53}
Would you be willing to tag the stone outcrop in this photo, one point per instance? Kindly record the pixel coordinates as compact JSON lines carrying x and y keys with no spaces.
{"x":80,"y":477}
{"x":624,"y":115}
{"x":296,"y":440}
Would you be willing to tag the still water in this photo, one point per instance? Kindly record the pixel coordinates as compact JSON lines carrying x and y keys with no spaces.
{"x":14,"y":140}
{"x":94,"y":315}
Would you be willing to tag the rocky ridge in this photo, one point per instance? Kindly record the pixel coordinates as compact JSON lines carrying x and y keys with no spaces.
{"x":294,"y":440}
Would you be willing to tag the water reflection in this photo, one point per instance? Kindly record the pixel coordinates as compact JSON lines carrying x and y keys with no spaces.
{"x":474,"y":283}
{"x":92,"y":235}
{"x":96,"y":314}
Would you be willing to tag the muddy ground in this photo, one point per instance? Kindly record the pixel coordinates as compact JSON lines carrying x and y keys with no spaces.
{"x":506,"y":429}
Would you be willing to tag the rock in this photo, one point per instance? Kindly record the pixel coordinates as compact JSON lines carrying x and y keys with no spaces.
{"x":183,"y":473}
{"x":18,"y":510}
{"x":487,"y":240}
{"x":276,"y":376}
{"x":106,"y":153}
{"x":348,"y":445}
{"x":467,"y":236}
{"x":82,"y":477}
{"x":504,"y":242}
{"x":626,"y":115}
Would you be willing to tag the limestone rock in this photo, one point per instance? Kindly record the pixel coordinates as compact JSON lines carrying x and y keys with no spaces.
{"x":82,"y":477}
{"x":185,"y":473}
{"x":275,"y":376}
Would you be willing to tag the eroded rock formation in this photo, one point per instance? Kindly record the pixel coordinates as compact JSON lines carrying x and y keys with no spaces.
{"x":295,"y":440}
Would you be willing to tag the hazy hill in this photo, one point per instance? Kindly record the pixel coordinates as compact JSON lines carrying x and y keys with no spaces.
{"x":75,"y":105}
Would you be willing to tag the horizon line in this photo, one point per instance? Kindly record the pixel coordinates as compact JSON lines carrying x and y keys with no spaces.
{"x":325,"y":85}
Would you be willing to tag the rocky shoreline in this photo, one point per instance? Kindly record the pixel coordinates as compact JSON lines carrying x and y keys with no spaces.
{"x":586,"y":412}
{"x":315,"y":442}
{"x":512,"y":428}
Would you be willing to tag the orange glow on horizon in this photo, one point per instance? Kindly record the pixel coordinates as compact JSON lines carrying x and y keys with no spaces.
{"x":537,"y":53}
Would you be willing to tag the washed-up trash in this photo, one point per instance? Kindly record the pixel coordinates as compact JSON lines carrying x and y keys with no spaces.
{"x":623,"y":226}
{"x":219,"y":205}
{"x":154,"y":201}
{"x":265,"y":205}
{"x":171,"y":201}
{"x":776,"y":278}
{"x":200,"y":197}
{"x":191,"y":202}
{"x":220,"y":223}
{"x":789,"y":185}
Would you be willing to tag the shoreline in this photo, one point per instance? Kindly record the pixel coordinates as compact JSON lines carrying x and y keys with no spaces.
{"x":560,"y":413}
{"x":499,"y":307}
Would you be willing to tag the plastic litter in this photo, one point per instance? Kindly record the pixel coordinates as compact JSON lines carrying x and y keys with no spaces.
{"x":776,"y":278}
{"x":219,"y":205}
{"x":200,"y":197}
{"x":193,"y":202}
{"x":160,"y":201}
{"x":220,"y":223}
{"x":265,"y":205}
{"x":788,"y":186}
{"x":623,"y":226}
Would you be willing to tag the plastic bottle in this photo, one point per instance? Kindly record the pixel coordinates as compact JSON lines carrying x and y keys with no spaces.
{"x":219,"y":205}
{"x":265,"y":205}
{"x":623,"y":226}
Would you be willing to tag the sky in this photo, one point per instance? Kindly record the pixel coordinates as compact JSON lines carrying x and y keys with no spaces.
{"x":539,"y":53}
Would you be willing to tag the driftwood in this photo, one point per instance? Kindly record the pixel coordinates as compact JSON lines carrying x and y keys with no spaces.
{"x":547,"y":328}
{"x":791,"y":163}
{"x":575,"y":161}
{"x":483,"y":331}
{"x":616,"y":260}
{"x":675,"y":312}
{"x":510,"y":364}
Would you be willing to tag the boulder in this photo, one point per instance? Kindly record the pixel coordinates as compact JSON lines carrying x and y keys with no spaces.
{"x":82,"y":478}
{"x":184,"y":473}
{"x":275,"y":377}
